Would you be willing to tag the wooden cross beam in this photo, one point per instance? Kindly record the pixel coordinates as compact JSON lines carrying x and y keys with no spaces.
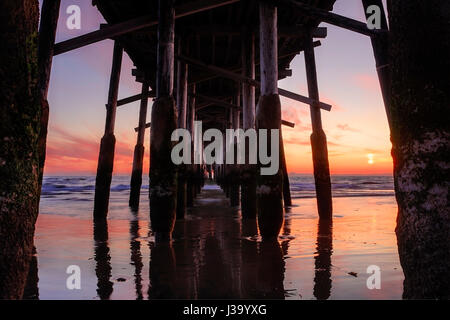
{"x":329,"y":17}
{"x":287,"y":123}
{"x":207,"y":77}
{"x":148,"y":125}
{"x":240,"y":78}
{"x":137,"y":97}
{"x":283,"y":122}
{"x":296,"y":32}
{"x":230,"y":30}
{"x":203,"y":106}
{"x":208,"y":103}
{"x":215,"y":101}
{"x":136,"y":24}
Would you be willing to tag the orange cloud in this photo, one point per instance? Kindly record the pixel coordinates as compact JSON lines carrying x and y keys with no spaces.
{"x":346,"y":127}
{"x":366,"y":81}
{"x":73,"y":153}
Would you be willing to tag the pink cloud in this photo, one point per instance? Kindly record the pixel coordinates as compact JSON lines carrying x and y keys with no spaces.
{"x":366,"y":81}
{"x":346,"y":127}
{"x":68,"y":152}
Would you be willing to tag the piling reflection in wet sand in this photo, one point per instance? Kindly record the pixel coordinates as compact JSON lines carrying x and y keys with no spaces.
{"x":270,"y":271}
{"x":322,"y":260}
{"x":162,"y":271}
{"x":286,"y":232}
{"x":136,"y":256}
{"x":249,"y":254}
{"x":102,"y":258}
{"x":215,"y":253}
{"x":187,"y":281}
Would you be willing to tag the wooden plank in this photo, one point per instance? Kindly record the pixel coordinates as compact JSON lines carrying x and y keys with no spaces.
{"x":329,"y":17}
{"x":136,"y":24}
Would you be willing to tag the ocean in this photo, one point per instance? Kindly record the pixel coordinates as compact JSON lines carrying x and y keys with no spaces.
{"x":57,"y":189}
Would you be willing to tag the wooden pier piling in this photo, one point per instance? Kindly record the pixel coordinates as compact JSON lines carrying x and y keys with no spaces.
{"x":248,"y":171}
{"x":182,"y":96}
{"x":380,"y":45}
{"x":318,"y":140}
{"x":268,"y":116}
{"x":286,"y":186}
{"x":108,"y":142}
{"x":234,"y":168}
{"x":47,"y":34}
{"x":190,"y":190}
{"x":138,"y":157}
{"x":420,"y":135}
{"x":163,"y":177}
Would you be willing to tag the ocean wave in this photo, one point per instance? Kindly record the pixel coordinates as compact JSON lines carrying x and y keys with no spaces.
{"x":302,"y":186}
{"x":120,"y":187}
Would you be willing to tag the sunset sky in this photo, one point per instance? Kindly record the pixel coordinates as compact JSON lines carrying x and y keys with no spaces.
{"x":357,"y":129}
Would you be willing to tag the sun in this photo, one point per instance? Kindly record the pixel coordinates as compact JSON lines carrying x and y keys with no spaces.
{"x":370,"y":160}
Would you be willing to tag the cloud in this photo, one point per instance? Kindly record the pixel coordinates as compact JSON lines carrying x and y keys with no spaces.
{"x":297,"y":141}
{"x":346,"y":127}
{"x":374,"y":151}
{"x":334,"y":144}
{"x":69,"y":152}
{"x":335,"y":107}
{"x":366,"y":81}
{"x":305,"y":141}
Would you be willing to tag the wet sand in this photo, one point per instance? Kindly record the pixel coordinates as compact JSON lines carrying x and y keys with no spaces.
{"x":215,"y":254}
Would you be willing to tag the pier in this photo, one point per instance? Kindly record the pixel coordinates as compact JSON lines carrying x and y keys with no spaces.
{"x":218,"y":62}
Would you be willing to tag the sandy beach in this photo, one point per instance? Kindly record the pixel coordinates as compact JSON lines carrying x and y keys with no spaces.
{"x":216,"y":254}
